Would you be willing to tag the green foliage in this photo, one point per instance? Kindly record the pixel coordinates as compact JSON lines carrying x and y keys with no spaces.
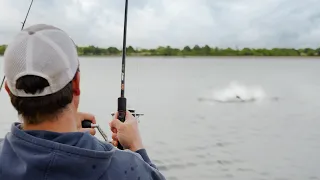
{"x":96,"y":51}
{"x":2,"y":49}
{"x":191,"y":51}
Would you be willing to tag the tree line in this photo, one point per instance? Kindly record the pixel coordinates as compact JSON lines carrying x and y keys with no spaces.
{"x":191,"y":51}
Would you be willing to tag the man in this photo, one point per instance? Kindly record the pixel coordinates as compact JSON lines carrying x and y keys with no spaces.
{"x":43,"y":81}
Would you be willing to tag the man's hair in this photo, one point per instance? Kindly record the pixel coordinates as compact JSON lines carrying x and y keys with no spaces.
{"x":36,"y":110}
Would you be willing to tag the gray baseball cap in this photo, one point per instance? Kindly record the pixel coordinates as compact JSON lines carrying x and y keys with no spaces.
{"x":41,"y":50}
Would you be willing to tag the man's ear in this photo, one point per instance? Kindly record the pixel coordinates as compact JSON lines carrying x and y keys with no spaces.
{"x":7,"y":87}
{"x":76,"y":84}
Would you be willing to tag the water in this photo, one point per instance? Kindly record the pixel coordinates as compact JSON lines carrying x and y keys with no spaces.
{"x":190,"y":139}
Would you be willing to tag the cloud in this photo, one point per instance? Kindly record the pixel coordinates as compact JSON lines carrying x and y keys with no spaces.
{"x":151,"y":23}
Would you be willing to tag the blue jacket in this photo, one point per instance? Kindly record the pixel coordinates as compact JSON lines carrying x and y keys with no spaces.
{"x":44,"y":155}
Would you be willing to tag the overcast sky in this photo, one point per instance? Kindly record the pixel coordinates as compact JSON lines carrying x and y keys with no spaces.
{"x":151,"y":23}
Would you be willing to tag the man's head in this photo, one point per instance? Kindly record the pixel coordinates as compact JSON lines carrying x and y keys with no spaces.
{"x":42,"y":70}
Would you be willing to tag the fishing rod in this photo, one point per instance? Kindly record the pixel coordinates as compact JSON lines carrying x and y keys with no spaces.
{"x":23,"y":23}
{"x":122,"y":101}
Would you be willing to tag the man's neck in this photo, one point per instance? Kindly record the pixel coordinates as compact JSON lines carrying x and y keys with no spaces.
{"x":64,"y":122}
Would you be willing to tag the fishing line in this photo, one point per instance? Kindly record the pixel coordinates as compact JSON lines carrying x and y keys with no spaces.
{"x":23,"y":23}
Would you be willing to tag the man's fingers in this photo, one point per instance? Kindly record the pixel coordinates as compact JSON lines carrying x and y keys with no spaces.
{"x":130,"y":117}
{"x":113,"y":129}
{"x":115,"y":143}
{"x":115,"y":123}
{"x":92,"y":131}
{"x":87,"y":116}
{"x":114,"y":137}
{"x":128,"y":114}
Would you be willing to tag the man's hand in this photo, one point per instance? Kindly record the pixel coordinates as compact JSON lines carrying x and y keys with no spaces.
{"x":82,"y":116}
{"x":126,"y":133}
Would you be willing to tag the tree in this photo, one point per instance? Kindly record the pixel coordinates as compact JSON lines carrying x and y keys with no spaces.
{"x":2,"y":49}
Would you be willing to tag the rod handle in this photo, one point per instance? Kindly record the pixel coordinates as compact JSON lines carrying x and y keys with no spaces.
{"x":122,"y":107}
{"x":86,"y":123}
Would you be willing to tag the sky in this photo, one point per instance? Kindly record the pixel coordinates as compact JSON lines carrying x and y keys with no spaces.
{"x":177,"y":23}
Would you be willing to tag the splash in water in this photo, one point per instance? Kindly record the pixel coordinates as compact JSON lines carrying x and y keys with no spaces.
{"x":239,"y":92}
{"x":236,"y":92}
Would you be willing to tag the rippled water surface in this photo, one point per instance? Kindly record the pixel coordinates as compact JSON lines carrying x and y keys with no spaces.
{"x":189,"y":135}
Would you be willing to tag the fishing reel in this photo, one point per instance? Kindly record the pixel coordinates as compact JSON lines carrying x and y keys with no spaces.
{"x":89,"y":124}
{"x":133,"y":112}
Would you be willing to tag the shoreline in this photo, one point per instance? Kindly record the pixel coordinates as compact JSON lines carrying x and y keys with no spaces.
{"x":195,"y":51}
{"x":151,"y":56}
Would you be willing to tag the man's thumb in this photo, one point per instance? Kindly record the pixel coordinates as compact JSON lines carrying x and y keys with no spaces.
{"x":129,"y":116}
